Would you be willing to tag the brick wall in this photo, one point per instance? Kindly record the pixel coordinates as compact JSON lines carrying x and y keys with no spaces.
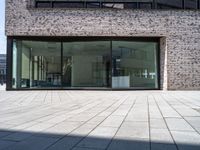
{"x":179,"y":29}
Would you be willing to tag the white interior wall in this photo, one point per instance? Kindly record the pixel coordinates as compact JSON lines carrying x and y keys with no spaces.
{"x":25,"y":62}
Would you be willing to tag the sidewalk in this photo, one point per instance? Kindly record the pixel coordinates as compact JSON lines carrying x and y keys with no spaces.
{"x":100,"y":120}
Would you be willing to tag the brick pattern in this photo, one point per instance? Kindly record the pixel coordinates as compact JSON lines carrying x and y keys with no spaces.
{"x":180,"y":29}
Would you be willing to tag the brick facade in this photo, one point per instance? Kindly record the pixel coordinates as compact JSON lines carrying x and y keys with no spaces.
{"x":179,"y":31}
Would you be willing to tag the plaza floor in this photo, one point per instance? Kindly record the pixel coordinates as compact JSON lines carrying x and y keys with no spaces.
{"x":99,"y":120}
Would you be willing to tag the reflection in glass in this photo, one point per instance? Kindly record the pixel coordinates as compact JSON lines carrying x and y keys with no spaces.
{"x":166,"y":4}
{"x":36,"y":64}
{"x":134,"y":64}
{"x":191,"y":4}
{"x":102,"y":64}
{"x":86,"y":64}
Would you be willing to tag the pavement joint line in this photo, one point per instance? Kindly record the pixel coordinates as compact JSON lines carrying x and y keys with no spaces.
{"x":177,"y":107}
{"x":184,"y":97}
{"x":100,"y":122}
{"x":39,"y":93}
{"x":187,"y":101}
{"x":181,"y":101}
{"x":54,"y":112}
{"x":166,"y":123}
{"x":27,"y":97}
{"x":133,"y":103}
{"x":82,"y":125}
{"x":40,"y":122}
{"x":181,"y":115}
{"x":149,"y":123}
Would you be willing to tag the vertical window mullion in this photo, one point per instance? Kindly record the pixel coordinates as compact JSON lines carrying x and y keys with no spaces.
{"x":183,"y":4}
{"x":111,"y":66}
{"x":61,"y":64}
{"x":9,"y":63}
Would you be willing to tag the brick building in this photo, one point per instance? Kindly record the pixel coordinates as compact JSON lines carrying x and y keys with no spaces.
{"x":103,"y":44}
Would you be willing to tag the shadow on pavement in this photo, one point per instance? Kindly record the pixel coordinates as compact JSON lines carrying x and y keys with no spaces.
{"x":20,"y":140}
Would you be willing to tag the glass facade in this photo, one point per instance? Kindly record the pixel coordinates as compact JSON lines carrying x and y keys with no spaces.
{"x":86,"y":64}
{"x":119,"y":4}
{"x":134,"y":64}
{"x":117,"y":64}
{"x":36,"y":64}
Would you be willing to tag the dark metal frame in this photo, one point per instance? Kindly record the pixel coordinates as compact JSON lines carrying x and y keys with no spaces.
{"x":76,"y":39}
{"x":154,"y":3}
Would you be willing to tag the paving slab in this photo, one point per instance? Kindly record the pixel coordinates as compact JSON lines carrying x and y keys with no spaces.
{"x":99,"y":120}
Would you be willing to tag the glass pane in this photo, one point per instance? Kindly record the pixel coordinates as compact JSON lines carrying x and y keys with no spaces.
{"x":86,"y":64}
{"x":131,"y":5}
{"x":43,"y":4}
{"x":191,"y":4}
{"x":134,"y":64}
{"x":145,"y":5}
{"x":113,"y":5}
{"x":68,"y":4}
{"x":36,"y":64}
{"x":165,"y":4}
{"x":93,"y":5}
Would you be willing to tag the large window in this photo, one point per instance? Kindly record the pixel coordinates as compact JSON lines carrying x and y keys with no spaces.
{"x":86,"y":64}
{"x":36,"y":64}
{"x":119,"y":4}
{"x":92,"y":64}
{"x":134,"y":64}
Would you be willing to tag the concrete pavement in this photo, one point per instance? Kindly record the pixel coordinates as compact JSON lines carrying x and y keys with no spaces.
{"x":99,"y":120}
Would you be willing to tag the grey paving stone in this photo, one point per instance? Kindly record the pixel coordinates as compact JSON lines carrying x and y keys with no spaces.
{"x":66,"y":143}
{"x":161,"y":136}
{"x":32,"y":143}
{"x":4,"y":144}
{"x":96,"y":120}
{"x":186,"y":111}
{"x":157,"y":124}
{"x":186,"y":140}
{"x":18,"y":136}
{"x":133,"y":129}
{"x":83,"y":130}
{"x":194,"y":121}
{"x":163,"y":146}
{"x":5,"y":133}
{"x":112,"y":121}
{"x":176,"y":124}
{"x":92,"y":119}
{"x":121,"y":144}
{"x":99,"y":138}
{"x":81,"y":148}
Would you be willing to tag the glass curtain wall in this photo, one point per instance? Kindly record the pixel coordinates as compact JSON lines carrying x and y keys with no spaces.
{"x":134,"y":64}
{"x":78,"y":64}
{"x":36,"y":64}
{"x":86,"y":64}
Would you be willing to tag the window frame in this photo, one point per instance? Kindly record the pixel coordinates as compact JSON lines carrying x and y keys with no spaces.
{"x":11,"y":39}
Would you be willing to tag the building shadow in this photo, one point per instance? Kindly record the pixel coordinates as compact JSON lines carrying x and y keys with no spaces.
{"x":21,"y":140}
